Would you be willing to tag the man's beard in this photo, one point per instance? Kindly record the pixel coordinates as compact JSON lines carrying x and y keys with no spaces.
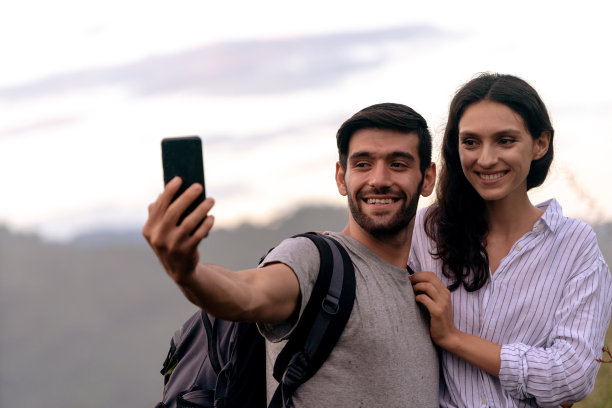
{"x":398,"y":222}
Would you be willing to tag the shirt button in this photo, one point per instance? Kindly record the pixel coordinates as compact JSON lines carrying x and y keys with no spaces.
{"x":484,"y":400}
{"x":518,"y":247}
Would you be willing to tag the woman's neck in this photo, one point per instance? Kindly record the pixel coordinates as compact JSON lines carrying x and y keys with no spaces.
{"x":508,"y":220}
{"x":512,"y":217}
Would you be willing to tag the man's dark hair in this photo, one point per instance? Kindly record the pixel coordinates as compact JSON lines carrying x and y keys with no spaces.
{"x":386,"y":116}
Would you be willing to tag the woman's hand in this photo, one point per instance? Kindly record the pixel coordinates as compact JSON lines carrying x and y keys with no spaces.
{"x":433,"y":294}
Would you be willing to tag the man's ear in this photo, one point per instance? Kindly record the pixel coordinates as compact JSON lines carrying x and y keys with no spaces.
{"x":429,"y":180}
{"x":541,"y":145}
{"x":340,"y":179}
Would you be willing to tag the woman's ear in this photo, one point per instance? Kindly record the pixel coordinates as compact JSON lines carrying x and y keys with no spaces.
{"x":340,"y":179}
{"x":541,"y":145}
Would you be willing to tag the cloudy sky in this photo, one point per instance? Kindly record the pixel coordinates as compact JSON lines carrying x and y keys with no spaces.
{"x":89,"y":89}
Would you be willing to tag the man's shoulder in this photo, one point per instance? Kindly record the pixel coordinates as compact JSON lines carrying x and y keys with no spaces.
{"x":299,"y":253}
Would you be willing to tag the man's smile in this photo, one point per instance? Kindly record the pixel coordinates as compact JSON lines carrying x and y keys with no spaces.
{"x":380,"y":201}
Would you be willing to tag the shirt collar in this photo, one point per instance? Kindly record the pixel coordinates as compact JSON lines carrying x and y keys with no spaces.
{"x":552,"y":215}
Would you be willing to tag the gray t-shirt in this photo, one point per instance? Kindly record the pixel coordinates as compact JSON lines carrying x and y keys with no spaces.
{"x":384,"y":357}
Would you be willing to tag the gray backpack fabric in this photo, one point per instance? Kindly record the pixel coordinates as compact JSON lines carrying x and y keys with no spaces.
{"x":216,"y":363}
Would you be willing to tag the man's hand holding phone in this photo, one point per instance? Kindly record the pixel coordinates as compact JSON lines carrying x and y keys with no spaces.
{"x":176,"y":246}
{"x":178,"y":219}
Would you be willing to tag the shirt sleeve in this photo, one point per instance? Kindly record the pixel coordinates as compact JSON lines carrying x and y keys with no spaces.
{"x":302,"y":256}
{"x":419,"y":244}
{"x":565,"y":370}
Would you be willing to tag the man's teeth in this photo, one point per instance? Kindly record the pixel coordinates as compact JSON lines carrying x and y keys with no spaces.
{"x":493,"y":176}
{"x":379,"y":200}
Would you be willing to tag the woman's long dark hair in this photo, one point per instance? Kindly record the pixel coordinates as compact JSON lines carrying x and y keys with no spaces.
{"x":457,"y":222}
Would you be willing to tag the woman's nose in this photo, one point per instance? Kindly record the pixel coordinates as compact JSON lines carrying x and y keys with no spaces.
{"x":487,"y":157}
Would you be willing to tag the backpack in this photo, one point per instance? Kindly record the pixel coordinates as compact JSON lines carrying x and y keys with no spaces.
{"x":217,"y":363}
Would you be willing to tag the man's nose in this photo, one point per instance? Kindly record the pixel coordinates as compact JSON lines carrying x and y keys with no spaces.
{"x":380,"y":176}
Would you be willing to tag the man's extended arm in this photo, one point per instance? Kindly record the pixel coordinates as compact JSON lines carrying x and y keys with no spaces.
{"x":268,"y":294}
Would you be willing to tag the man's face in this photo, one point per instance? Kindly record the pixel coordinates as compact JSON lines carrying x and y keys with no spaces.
{"x":382,"y":180}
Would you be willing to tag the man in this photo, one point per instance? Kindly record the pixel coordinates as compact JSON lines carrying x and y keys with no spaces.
{"x":385,"y":356}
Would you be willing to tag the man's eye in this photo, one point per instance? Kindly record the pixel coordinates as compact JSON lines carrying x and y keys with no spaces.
{"x":398,"y":164}
{"x":506,"y":141}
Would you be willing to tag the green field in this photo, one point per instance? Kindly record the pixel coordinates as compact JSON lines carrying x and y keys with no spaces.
{"x":602,"y":395}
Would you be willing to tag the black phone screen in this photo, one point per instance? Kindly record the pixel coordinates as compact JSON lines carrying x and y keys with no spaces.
{"x":182,"y":156}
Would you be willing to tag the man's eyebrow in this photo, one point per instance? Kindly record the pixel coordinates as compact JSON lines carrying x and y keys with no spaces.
{"x":391,"y":155}
{"x":360,"y":155}
{"x":402,"y":155}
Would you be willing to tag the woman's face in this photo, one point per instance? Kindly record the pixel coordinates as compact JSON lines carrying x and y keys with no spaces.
{"x":496,"y":150}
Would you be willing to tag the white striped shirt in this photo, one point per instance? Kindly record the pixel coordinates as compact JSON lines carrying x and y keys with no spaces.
{"x":548,"y":304}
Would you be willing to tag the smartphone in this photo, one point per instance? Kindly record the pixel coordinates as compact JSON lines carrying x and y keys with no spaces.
{"x":182,"y":156}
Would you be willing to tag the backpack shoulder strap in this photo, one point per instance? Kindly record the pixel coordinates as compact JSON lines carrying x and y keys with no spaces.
{"x":211,"y":335}
{"x":322,"y":322}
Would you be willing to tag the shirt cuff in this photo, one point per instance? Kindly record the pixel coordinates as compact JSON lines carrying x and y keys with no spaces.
{"x":514,"y":369}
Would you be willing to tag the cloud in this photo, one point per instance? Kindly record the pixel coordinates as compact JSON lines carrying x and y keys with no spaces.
{"x":241,"y":67}
{"x":42,"y":124}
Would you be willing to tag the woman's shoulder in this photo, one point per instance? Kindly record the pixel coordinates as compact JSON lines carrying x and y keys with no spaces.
{"x":420,"y":225}
{"x":576,"y":237}
{"x":421,"y":215}
{"x":565,"y":227}
{"x":422,"y":246}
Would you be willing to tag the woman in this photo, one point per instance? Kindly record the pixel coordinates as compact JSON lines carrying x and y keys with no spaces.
{"x":520,"y":296}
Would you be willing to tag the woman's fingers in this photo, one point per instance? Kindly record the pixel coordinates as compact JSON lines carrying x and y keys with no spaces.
{"x":429,"y":284}
{"x":433,"y":294}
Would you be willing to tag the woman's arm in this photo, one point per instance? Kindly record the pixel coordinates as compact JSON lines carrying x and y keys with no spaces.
{"x":432,"y":293}
{"x":564,"y":370}
{"x":565,"y":367}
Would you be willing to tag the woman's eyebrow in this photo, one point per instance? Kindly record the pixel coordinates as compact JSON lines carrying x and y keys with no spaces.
{"x":509,"y":131}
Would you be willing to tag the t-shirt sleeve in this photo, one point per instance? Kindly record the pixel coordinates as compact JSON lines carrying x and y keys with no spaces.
{"x":301,"y":255}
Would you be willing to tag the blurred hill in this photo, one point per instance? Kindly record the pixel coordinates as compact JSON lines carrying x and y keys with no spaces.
{"x":88,"y":323}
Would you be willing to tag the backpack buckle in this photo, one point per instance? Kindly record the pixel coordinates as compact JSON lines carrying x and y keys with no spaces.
{"x":296,"y":371}
{"x":331,"y":304}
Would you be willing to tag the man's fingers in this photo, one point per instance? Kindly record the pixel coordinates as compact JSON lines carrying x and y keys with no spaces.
{"x":160,"y":205}
{"x":169,"y":191}
{"x":197,"y":216}
{"x":178,"y":207}
{"x":203,"y":230}
{"x":158,"y":208}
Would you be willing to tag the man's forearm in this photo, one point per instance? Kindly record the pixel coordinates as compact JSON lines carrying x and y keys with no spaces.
{"x":268,"y":294}
{"x":218,"y":291}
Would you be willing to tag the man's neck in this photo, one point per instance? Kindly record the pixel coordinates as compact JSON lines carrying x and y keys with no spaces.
{"x":394,"y":249}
